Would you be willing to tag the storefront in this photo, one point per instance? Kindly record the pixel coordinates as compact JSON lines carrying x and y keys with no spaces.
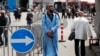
{"x":11,"y":5}
{"x":23,"y":4}
{"x":3,"y":4}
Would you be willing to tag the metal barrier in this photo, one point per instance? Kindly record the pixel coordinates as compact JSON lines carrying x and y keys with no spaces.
{"x":8,"y":51}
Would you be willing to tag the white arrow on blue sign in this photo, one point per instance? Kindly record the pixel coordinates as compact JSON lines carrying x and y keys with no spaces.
{"x":22,"y":40}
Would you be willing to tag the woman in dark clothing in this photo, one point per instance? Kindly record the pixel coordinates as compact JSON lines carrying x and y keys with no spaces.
{"x":17,"y":13}
{"x":29,"y":17}
{"x":63,"y":10}
{"x":3,"y":22}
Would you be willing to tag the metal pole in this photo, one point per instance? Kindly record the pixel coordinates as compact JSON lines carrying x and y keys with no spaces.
{"x":66,"y":3}
{"x":18,"y":54}
{"x":79,"y":3}
{"x":30,"y":3}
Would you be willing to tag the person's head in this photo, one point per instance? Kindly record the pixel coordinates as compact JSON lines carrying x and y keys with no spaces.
{"x":29,"y":10}
{"x":50,"y":8}
{"x":35,"y":9}
{"x":3,"y":12}
{"x":80,"y":13}
{"x":19,"y":8}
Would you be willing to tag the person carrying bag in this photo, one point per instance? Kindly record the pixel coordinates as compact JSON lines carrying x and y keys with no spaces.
{"x":71,"y":36}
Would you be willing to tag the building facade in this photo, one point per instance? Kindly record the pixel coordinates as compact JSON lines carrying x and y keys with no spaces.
{"x":24,"y":4}
{"x":3,"y":4}
{"x":97,"y":19}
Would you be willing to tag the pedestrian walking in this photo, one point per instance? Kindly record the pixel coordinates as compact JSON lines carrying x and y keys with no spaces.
{"x":73,"y":12}
{"x":3,"y":23}
{"x":82,"y":31}
{"x":7,"y":16}
{"x":29,"y":17}
{"x":63,"y":10}
{"x":17,"y":13}
{"x":69,"y":12}
{"x":93,"y":10}
{"x":50,"y":24}
{"x":35,"y":14}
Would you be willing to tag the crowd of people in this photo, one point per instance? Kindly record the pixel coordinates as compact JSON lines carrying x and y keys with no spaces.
{"x":71,"y":11}
{"x":50,"y":24}
{"x":5,"y":21}
{"x":80,"y":26}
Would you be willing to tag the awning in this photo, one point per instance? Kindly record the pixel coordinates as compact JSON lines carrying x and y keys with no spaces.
{"x":88,"y":1}
{"x":91,"y":1}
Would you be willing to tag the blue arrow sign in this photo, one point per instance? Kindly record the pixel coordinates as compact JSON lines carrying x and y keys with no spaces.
{"x":22,"y":40}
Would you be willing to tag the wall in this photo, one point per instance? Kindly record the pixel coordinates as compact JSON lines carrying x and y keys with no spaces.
{"x":97,"y":18}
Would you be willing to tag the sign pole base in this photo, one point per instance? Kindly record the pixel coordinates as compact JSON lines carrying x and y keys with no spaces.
{"x":62,"y":40}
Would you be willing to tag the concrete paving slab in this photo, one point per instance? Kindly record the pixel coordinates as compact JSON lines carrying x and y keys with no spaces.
{"x":96,"y":49}
{"x":98,"y":54}
{"x":65,"y":48}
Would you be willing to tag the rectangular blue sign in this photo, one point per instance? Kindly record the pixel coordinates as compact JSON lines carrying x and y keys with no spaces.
{"x":11,"y":5}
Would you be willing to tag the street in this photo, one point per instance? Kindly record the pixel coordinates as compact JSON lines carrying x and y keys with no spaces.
{"x":65,"y":48}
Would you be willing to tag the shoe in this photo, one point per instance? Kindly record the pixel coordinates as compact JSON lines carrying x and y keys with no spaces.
{"x":6,"y":45}
{"x":1,"y":44}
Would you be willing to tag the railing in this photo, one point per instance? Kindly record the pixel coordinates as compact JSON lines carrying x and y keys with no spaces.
{"x":7,"y":32}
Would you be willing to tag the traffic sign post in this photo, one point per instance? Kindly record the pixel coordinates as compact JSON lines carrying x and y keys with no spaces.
{"x":22,"y":40}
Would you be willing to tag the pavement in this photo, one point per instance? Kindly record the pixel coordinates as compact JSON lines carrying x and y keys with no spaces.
{"x":65,"y":48}
{"x":96,"y":49}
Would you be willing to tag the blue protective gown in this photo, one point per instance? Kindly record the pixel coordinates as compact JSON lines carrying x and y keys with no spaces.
{"x":50,"y":45}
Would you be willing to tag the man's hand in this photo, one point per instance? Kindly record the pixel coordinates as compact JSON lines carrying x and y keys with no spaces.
{"x":50,"y":33}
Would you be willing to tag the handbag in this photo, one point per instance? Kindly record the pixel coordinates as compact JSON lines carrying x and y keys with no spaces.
{"x":71,"y":36}
{"x":94,"y":42}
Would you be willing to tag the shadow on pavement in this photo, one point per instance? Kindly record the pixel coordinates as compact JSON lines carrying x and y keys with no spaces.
{"x":89,"y":52}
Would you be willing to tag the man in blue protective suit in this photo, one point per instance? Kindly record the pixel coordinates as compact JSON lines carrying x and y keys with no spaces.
{"x":50,"y":24}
